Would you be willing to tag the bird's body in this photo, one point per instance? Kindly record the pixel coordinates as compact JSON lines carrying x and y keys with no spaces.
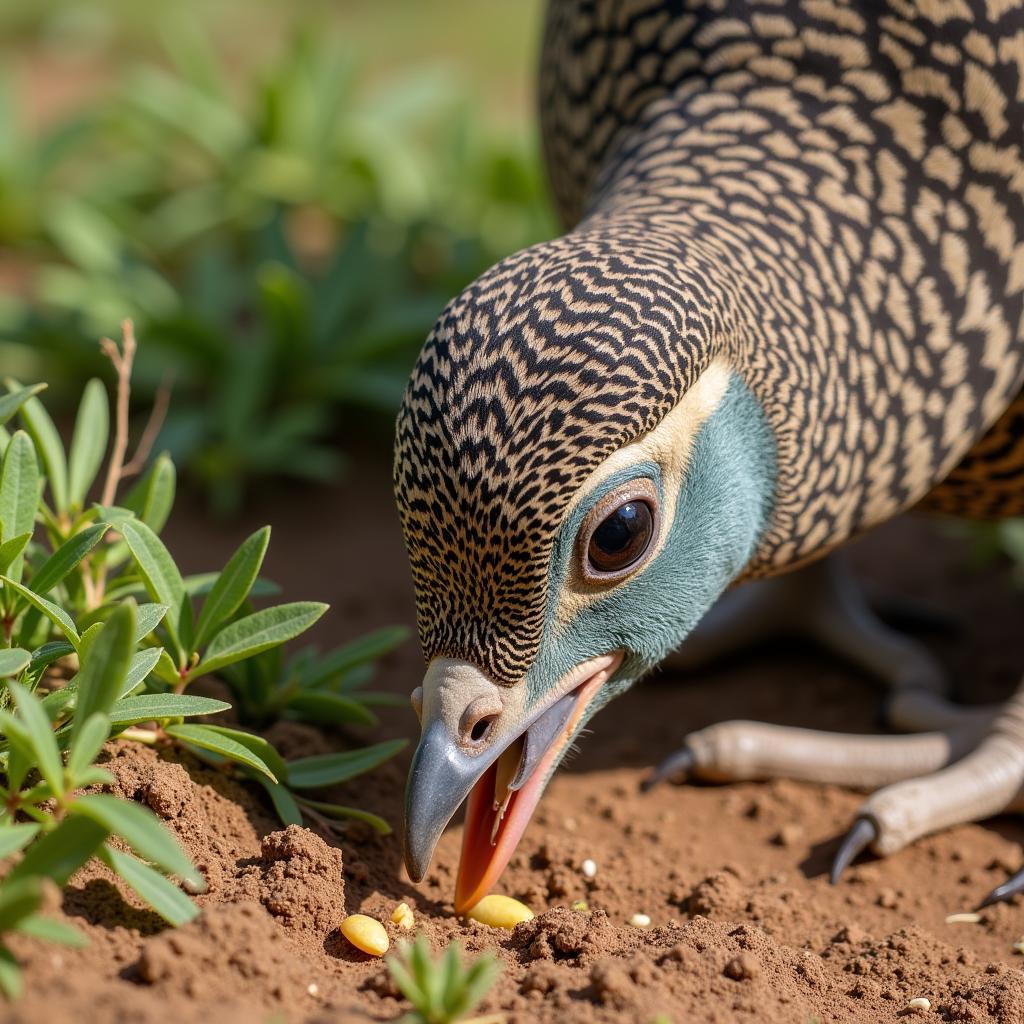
{"x":788,"y":306}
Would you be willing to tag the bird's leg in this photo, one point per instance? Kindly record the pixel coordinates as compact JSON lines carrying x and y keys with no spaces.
{"x":736,"y":750}
{"x":987,"y":781}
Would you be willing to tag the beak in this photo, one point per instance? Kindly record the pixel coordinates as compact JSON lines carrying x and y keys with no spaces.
{"x":503,"y":777}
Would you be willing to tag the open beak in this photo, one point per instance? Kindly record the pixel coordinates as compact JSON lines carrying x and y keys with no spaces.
{"x":503,"y":781}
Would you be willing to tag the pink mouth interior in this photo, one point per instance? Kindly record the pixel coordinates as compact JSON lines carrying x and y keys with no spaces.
{"x":482,"y":861}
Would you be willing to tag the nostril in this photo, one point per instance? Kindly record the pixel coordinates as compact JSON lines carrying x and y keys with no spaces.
{"x":478,"y":719}
{"x":481,"y":728}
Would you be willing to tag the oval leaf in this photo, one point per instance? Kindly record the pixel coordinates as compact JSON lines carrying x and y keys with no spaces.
{"x":141,"y":829}
{"x":40,"y":732}
{"x":151,"y":707}
{"x":160,"y":574}
{"x":60,"y":853}
{"x":327,"y":769}
{"x":66,"y":557}
{"x":36,"y":421}
{"x":258,"y":632}
{"x":19,"y":493}
{"x":205,"y":737}
{"x":232,"y":586}
{"x":162,"y":895}
{"x":89,"y":441}
{"x":57,"y":616}
{"x":103,"y":672}
{"x":13,"y":660}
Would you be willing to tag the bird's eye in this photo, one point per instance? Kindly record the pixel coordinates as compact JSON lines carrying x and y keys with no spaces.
{"x":619,"y":532}
{"x":621,"y":538}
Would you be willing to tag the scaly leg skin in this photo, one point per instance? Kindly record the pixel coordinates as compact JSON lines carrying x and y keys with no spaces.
{"x":968,"y":766}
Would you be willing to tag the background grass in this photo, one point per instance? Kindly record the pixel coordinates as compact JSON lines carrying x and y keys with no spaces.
{"x":282,"y":197}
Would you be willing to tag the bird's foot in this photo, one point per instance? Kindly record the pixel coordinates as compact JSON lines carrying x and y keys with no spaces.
{"x":923,"y":783}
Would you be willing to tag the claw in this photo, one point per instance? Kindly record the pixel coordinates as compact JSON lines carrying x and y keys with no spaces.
{"x":863,"y":833}
{"x":680,"y":761}
{"x":1013,"y":885}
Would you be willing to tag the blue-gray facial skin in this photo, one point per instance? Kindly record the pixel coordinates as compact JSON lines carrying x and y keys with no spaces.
{"x":723,"y":507}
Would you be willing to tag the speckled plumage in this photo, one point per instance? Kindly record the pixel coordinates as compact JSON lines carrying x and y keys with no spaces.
{"x":829,"y":196}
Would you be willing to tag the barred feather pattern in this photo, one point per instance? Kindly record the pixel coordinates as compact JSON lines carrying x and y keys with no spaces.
{"x":831,"y":195}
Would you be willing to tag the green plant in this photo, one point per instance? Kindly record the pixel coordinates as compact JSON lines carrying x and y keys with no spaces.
{"x":81,"y":660}
{"x":286,"y":245}
{"x":441,"y":991}
{"x":312,"y":687}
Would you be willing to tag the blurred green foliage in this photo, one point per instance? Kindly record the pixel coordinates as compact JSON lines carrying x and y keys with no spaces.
{"x":283,"y":243}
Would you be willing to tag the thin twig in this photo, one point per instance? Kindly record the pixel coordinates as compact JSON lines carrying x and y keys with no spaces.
{"x":122,"y":359}
{"x":157,"y":415}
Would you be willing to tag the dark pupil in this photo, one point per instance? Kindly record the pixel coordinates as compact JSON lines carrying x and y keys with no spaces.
{"x":622,"y":538}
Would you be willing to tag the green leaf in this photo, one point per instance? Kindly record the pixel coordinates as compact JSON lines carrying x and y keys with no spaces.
{"x":60,"y":853}
{"x":257,"y":745}
{"x":89,"y":441}
{"x":375,"y":821}
{"x":36,"y":421}
{"x":151,"y":707}
{"x":161,"y":576}
{"x":141,"y":829}
{"x":162,"y":895}
{"x":11,"y":403}
{"x":66,"y":557}
{"x":258,"y":632}
{"x":50,"y":652}
{"x":48,"y":930}
{"x":165,"y":670}
{"x":284,"y":803}
{"x":10,"y":974}
{"x":86,"y":744}
{"x":314,"y":706}
{"x":57,"y":616}
{"x":12,"y":661}
{"x":327,"y":769}
{"x":143,"y":662}
{"x":152,"y":498}
{"x":104,"y":670}
{"x":232,"y":586}
{"x":19,"y":493}
{"x":11,"y":549}
{"x":366,"y":649}
{"x":16,"y":837}
{"x":44,"y":744}
{"x":149,"y":616}
{"x":18,"y":900}
{"x":206,"y":737}
{"x":202,"y":583}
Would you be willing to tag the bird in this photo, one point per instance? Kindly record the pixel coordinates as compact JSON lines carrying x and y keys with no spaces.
{"x":785,"y":307}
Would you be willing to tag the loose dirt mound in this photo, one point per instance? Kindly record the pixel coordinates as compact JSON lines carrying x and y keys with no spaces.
{"x":744,"y":925}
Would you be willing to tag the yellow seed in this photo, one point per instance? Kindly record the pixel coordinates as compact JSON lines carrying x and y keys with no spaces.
{"x":402,"y":916}
{"x":366,"y":934}
{"x":500,"y":912}
{"x":640,"y":921}
{"x":581,"y":905}
{"x":920,"y":1003}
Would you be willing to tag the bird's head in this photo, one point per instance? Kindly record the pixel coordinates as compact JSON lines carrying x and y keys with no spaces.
{"x":579,"y":477}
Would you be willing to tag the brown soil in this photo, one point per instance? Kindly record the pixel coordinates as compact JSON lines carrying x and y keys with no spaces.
{"x":744,"y":925}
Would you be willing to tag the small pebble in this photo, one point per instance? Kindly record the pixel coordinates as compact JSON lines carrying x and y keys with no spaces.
{"x":743,"y":967}
{"x":789,"y":835}
{"x":365,"y":934}
{"x":969,"y":918}
{"x":500,"y":912}
{"x":920,"y":1004}
{"x":402,"y":916}
{"x":887,"y":898}
{"x":589,"y":868}
{"x":640,"y":921}
{"x":312,"y":988}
